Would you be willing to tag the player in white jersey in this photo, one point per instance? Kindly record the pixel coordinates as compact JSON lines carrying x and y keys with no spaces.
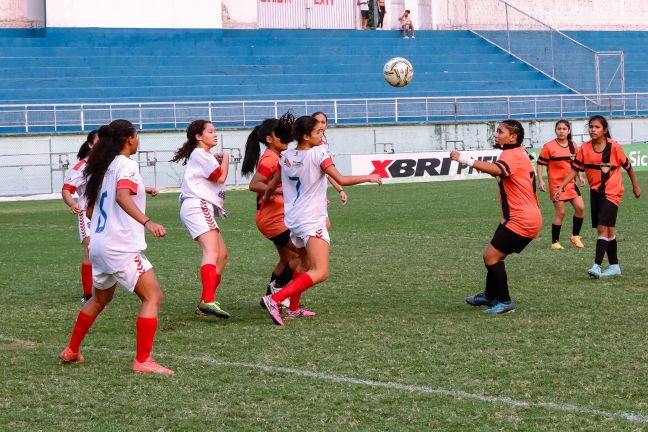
{"x":75,"y":182}
{"x":303,"y":177}
{"x":116,"y":205}
{"x":202,"y":195}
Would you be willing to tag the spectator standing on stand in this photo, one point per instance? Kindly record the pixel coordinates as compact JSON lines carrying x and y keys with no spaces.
{"x":364,"y":12}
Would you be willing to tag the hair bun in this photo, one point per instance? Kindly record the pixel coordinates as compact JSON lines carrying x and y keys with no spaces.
{"x":106,"y":131}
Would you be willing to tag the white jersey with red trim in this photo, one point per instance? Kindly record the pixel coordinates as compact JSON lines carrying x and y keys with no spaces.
{"x":76,"y":182}
{"x":200,"y":177}
{"x":304,"y":188}
{"x":116,"y":237}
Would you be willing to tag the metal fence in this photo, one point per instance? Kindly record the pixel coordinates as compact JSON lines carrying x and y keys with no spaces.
{"x":32,"y":119}
{"x":546,"y":49}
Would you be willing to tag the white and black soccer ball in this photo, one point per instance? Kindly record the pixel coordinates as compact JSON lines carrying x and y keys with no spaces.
{"x":398,"y":72}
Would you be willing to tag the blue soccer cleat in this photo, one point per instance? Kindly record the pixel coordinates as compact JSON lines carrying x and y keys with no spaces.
{"x":595,"y":271}
{"x":500,"y":309}
{"x":480,"y":300}
{"x":613,"y":270}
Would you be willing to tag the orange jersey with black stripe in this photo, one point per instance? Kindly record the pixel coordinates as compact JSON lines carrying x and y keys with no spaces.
{"x":518,"y":199}
{"x":558,"y":160}
{"x":603,"y":169}
{"x":270,"y":214}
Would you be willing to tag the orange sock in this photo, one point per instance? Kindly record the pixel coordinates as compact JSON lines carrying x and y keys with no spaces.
{"x":145,"y":334}
{"x":296,"y":287}
{"x":81,"y":327}
{"x":208,"y":277}
{"x":86,"y":278}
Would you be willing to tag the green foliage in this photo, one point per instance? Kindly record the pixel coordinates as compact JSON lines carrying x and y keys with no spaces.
{"x":403,"y":258}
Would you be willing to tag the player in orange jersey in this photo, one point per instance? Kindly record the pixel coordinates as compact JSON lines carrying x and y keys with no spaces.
{"x":274,"y":135}
{"x":75,"y":182}
{"x":602,"y":159}
{"x":521,"y":217}
{"x":557,"y":156}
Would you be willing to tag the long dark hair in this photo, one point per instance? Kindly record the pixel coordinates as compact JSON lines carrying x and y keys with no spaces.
{"x":258,"y":136}
{"x":111,"y":141}
{"x":603,"y":121}
{"x":195,"y":128}
{"x":566,"y":123}
{"x":85,"y":147}
{"x":304,"y":125}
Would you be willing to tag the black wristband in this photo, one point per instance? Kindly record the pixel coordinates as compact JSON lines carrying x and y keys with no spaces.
{"x":146,"y":221}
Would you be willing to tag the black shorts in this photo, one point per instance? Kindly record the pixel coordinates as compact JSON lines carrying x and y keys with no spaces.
{"x":365,"y":14}
{"x":604,"y":211}
{"x":508,"y":242}
{"x":282,"y":239}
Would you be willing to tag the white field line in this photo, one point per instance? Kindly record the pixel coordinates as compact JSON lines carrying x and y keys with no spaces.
{"x":324,"y":376}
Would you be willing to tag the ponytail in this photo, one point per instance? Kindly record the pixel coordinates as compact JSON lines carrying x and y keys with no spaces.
{"x":258,"y":136}
{"x":195,"y":128}
{"x":84,"y":150}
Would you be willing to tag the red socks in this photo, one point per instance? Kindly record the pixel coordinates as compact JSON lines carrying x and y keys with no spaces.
{"x":296,"y":287}
{"x":295,"y":300}
{"x":81,"y":327}
{"x":145,"y":334}
{"x":210,"y":281}
{"x":86,"y":278}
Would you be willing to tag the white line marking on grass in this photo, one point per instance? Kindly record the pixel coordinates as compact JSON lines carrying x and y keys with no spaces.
{"x":323,"y":376}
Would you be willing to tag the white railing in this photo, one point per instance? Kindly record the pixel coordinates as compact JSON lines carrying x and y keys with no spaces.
{"x":546,"y":49}
{"x":41,"y":118}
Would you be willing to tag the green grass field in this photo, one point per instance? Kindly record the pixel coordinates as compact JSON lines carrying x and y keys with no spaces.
{"x":394,"y":346}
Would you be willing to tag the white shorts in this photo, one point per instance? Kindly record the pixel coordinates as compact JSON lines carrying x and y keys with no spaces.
{"x":301,"y":239}
{"x":197,"y":215}
{"x":127,"y":278}
{"x":83,"y":225}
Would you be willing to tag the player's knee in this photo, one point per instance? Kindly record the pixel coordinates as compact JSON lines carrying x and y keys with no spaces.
{"x":319,"y":275}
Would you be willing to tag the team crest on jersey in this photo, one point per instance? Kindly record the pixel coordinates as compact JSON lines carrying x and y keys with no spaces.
{"x":287,"y":162}
{"x":605,"y":168}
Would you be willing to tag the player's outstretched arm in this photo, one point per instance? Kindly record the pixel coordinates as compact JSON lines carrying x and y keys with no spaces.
{"x":127,"y":204}
{"x":556,"y":194}
{"x":333,"y":173}
{"x":485,"y":167}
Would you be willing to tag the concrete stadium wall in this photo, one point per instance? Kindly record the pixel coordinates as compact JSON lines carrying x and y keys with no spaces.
{"x":22,"y":13}
{"x":190,"y":14}
{"x":24,"y":161}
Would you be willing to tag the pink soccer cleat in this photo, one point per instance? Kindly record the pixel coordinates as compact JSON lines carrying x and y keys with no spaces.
{"x":150,"y":366}
{"x":299,"y":313}
{"x":273,"y":309}
{"x":69,"y":357}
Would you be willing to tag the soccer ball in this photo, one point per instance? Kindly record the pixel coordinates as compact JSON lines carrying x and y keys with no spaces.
{"x":398,"y":72}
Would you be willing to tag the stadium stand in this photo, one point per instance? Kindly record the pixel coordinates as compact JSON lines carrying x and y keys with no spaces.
{"x":138,"y":65}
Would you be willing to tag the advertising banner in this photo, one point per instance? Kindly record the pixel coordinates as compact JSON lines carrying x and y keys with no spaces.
{"x":419,"y":167}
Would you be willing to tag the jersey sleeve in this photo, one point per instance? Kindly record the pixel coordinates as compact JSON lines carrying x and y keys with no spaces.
{"x":266,"y":169}
{"x":128,"y":178}
{"x":545,"y":155}
{"x":74,"y":178}
{"x":578,"y":163}
{"x":506,"y":163}
{"x":624,"y":162}
{"x":323,"y":158}
{"x":209,"y":166}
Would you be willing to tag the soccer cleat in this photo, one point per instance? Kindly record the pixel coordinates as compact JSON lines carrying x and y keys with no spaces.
{"x":211,"y":308}
{"x":480,"y":300}
{"x":500,"y":309}
{"x":273,"y":309}
{"x":595,"y":271}
{"x":577,"y":241}
{"x":613,"y":270}
{"x":69,"y":357}
{"x":85,"y":299}
{"x":299,"y":313}
{"x":275,"y":289}
{"x":150,"y":366}
{"x":556,"y":245}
